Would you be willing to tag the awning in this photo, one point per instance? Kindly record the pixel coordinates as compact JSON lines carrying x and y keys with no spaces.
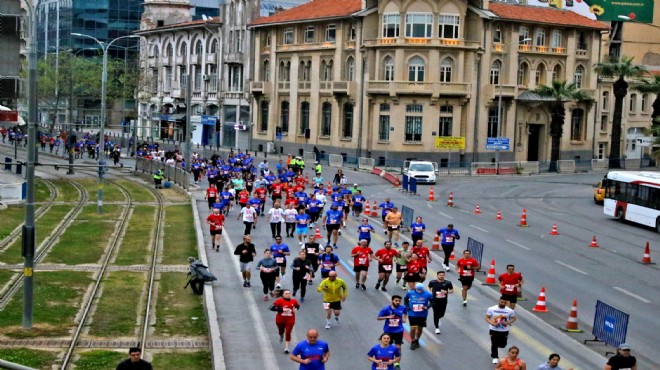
{"x":176,"y":117}
{"x":532,"y":96}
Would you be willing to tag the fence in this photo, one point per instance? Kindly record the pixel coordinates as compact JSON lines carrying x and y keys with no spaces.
{"x":407,"y":216}
{"x":335,"y":160}
{"x":366,"y":163}
{"x":477,"y":250}
{"x":171,"y":173}
{"x":610,"y":325}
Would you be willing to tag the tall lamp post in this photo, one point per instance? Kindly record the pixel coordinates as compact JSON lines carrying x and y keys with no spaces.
{"x":104,"y":80}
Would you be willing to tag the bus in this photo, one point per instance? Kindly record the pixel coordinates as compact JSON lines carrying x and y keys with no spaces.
{"x":634,"y":197}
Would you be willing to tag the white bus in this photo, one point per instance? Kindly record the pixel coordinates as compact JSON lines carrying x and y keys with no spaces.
{"x":634,"y":197}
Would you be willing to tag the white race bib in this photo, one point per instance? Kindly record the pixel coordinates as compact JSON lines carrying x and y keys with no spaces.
{"x":387,"y":267}
{"x":326,"y":305}
{"x":362,"y":261}
{"x":279,"y":259}
{"x":394,"y":323}
{"x":509,"y":288}
{"x":418,"y":307}
{"x":440,"y":294}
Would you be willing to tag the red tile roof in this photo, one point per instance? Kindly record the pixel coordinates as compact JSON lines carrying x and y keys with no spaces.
{"x":546,"y":15}
{"x":315,"y":9}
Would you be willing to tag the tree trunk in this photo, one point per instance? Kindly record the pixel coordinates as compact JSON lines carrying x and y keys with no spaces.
{"x":556,"y":131}
{"x":655,"y":116}
{"x":620,"y":92}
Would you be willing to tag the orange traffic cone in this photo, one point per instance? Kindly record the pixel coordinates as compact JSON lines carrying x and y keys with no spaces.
{"x":450,"y":200}
{"x":477,"y":210}
{"x":329,"y":191}
{"x":451,"y":256}
{"x":554,"y":230}
{"x":490,"y":278}
{"x":499,"y":215}
{"x":374,"y":209}
{"x":436,"y":243}
{"x":431,"y":195}
{"x":594,"y":243}
{"x":523,"y":219}
{"x":540,"y":303}
{"x":367,"y":208}
{"x":647,"y":255}
{"x":572,"y":323}
{"x":317,"y":234}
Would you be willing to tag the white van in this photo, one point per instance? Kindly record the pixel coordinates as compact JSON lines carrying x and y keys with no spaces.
{"x":423,"y":171}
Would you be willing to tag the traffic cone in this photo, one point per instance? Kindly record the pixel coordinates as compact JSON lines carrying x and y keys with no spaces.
{"x":374,"y":209}
{"x":450,"y":200}
{"x":572,"y":323}
{"x":490,"y":278}
{"x":540,"y":303}
{"x":436,"y":243}
{"x":554,"y":230}
{"x":499,"y":215}
{"x":317,"y":234}
{"x":367,"y":211}
{"x":451,"y":256}
{"x":329,"y":191}
{"x":647,"y":255}
{"x":477,"y":210}
{"x":431,"y":195}
{"x":594,"y":243}
{"x":523,"y":219}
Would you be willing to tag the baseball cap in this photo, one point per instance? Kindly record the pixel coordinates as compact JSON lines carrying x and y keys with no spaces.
{"x":624,"y":346}
{"x":419,"y":286}
{"x":355,"y":184}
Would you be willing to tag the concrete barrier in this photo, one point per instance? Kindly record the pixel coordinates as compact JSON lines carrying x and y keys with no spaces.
{"x":12,"y":192}
{"x":566,"y":166}
{"x":335,"y":160}
{"x":366,"y":163}
{"x":599,"y":165}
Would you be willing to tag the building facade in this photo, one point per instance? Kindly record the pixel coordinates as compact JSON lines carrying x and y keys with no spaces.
{"x":10,"y":58}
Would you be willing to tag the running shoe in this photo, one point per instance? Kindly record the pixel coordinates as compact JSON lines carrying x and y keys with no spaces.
{"x":465,"y":303}
{"x":281,"y":338}
{"x":310,"y":282}
{"x":245,"y":284}
{"x":334,"y":246}
{"x":495,"y":361}
{"x":446,"y":268}
{"x":337,"y":319}
{"x":383,"y":289}
{"x":278,"y":286}
{"x":249,"y":285}
{"x":327,"y":326}
{"x":437,"y":331}
{"x":378,"y":285}
{"x":302,"y":300}
{"x":363,"y":287}
{"x":286,"y":350}
{"x":397,"y":366}
{"x":357,"y":286}
{"x":396,"y":244}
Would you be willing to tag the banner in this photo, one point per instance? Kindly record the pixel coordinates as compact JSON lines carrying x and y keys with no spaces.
{"x":450,"y":142}
{"x":604,"y":10}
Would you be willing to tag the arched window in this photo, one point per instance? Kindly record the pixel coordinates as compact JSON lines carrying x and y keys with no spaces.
{"x":266,"y":71}
{"x":183,"y":50}
{"x":388,"y":71}
{"x":284,"y":116}
{"x":198,"y":47}
{"x":156,"y":51}
{"x":523,"y":34}
{"x":263,"y":124}
{"x":350,"y":69}
{"x":606,"y":101}
{"x":523,"y":74}
{"x":577,"y":124}
{"x":446,"y":69}
{"x":540,"y":37}
{"x":214,"y":46}
{"x":578,"y":76}
{"x":495,"y":72}
{"x":326,"y":70}
{"x":556,"y":40}
{"x":645,"y":103}
{"x":304,"y":117}
{"x":326,"y":119}
{"x":284,"y":70}
{"x":169,"y":50}
{"x":633,"y":103}
{"x":539,"y":78}
{"x":347,"y":125}
{"x":557,"y":73}
{"x":416,"y":69}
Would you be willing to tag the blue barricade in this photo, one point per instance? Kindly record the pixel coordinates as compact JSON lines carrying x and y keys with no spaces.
{"x":413,"y":186}
{"x":477,"y":250}
{"x":407,"y":215}
{"x":610,"y":325}
{"x":7,"y":164}
{"x":404,"y":183}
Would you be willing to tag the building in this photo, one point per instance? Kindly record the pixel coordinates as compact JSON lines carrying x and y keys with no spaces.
{"x":385,"y":79}
{"x":10,"y":58}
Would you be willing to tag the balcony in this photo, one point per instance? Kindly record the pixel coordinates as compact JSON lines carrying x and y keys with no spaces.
{"x":582,"y":53}
{"x":417,"y":41}
{"x":344,"y":87}
{"x":167,"y":60}
{"x":558,"y":50}
{"x":304,"y":86}
{"x":350,"y":45}
{"x":394,"y":88}
{"x":180,"y":60}
{"x":283,"y":86}
{"x":234,"y":58}
{"x":494,"y":91}
{"x":260,"y":87}
{"x":196,"y":59}
{"x":388,"y":41}
{"x":212,"y":58}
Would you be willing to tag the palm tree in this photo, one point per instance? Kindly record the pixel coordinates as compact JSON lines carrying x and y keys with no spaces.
{"x":651,"y":86}
{"x":621,"y":69}
{"x":561,"y":92}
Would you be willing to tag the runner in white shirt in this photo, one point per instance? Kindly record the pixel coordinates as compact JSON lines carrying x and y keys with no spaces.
{"x":290,"y":219}
{"x":276,"y":217}
{"x":499,"y":318}
{"x":249,"y":215}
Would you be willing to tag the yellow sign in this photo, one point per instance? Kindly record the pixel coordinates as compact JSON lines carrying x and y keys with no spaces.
{"x":450,"y":142}
{"x":27,"y":271}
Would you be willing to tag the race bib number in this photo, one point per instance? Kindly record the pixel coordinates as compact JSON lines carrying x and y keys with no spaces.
{"x":387,"y":267}
{"x":279,"y":259}
{"x":394,"y":323}
{"x":326,"y":305}
{"x":449,"y":239}
{"x":364,"y":229}
{"x":467,"y":273}
{"x":418,"y":308}
{"x":382,"y":366}
{"x":394,"y":227}
{"x":403,"y":267}
{"x":327,"y":266}
{"x":362,"y":261}
{"x":440,"y":294}
{"x":311,"y":251}
{"x":333,"y":222}
{"x":509,"y":288}
{"x":287,"y":312}
{"x":268,"y":270}
{"x":307,"y":276}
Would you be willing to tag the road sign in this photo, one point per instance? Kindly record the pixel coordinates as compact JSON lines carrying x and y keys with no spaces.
{"x":450,"y":142}
{"x":497,"y":143}
{"x":645,"y":141}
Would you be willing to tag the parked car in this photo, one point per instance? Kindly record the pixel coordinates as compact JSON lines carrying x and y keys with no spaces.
{"x":423,"y":171}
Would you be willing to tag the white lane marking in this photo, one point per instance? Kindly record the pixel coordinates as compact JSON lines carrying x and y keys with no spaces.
{"x":265,"y":348}
{"x":632,"y":294}
{"x":445,"y":215}
{"x":478,"y":228}
{"x":465,"y":211}
{"x":571,"y":267}
{"x":518,"y":245}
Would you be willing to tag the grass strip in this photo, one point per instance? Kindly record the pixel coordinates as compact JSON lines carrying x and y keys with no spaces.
{"x":111,"y":193}
{"x":29,"y":357}
{"x":139,"y":193}
{"x":182,"y":360}
{"x":57,"y":297}
{"x":135,"y":245}
{"x":84,"y":241}
{"x":116,"y":310}
{"x":66,"y":192}
{"x":5,"y":275}
{"x":44,"y":225}
{"x":179,"y":312}
{"x":10,"y":218}
{"x":41,"y":191}
{"x":100,"y":359}
{"x":179,"y":240}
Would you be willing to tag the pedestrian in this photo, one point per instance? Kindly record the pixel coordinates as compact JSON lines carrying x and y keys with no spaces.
{"x":302,"y":272}
{"x":276,"y":217}
{"x":227,"y":199}
{"x":499,"y":319}
{"x":418,"y":302}
{"x":361,"y":254}
{"x":358,"y":203}
{"x":448,"y":236}
{"x":211,"y":195}
{"x":365,"y":230}
{"x":158,"y":179}
{"x":302,"y":225}
{"x":285,"y":319}
{"x":622,"y":360}
{"x":417,"y":229}
{"x":337,"y":179}
{"x":289,"y":215}
{"x":312,"y":249}
{"x":466,"y":266}
{"x":553,"y":363}
{"x":249,"y":216}
{"x":215,"y":221}
{"x":384,"y":355}
{"x":402,"y":263}
{"x":424,"y":258}
{"x":413,"y":268}
{"x":334,"y":292}
{"x":332,"y":221}
{"x":393,"y":219}
{"x":268,"y":271}
{"x":385,"y":257}
{"x":327,"y":261}
{"x":246,"y":253}
{"x":440,"y":288}
{"x":386,"y":206}
{"x":394,"y":315}
{"x":280,"y":251}
{"x":135,"y":361}
{"x":510,"y":284}
{"x":511,"y":361}
{"x":311,"y":354}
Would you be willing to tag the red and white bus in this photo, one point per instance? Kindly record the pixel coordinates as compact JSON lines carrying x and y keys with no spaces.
{"x":634,"y":197}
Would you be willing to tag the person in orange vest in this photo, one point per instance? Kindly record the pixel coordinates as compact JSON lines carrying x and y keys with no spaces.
{"x":288,"y":161}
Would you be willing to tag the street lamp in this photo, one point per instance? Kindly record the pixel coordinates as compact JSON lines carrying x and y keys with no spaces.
{"x":104,"y":80}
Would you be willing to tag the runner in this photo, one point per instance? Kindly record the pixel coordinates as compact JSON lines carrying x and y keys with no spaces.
{"x":466,"y":266}
{"x":276,"y":217}
{"x":418,"y":227}
{"x":314,"y":206}
{"x":499,"y":318}
{"x":286,"y":308}
{"x":328,"y":261}
{"x":402,"y":263}
{"x":448,"y":237}
{"x":510,"y":284}
{"x":418,"y":302}
{"x":262,"y":193}
{"x":361,"y":254}
{"x":395,"y":315}
{"x":311,"y":354}
{"x":302,"y":225}
{"x":511,"y":361}
{"x":226,"y":199}
{"x":384,"y":355}
{"x":385,"y":257}
{"x":332,"y":220}
{"x":358,"y":203}
{"x":334,"y":292}
{"x":312,"y":248}
{"x":215,"y":220}
{"x":553,"y":363}
{"x":387,"y":207}
{"x":393,"y":220}
{"x":280,"y":251}
{"x":622,"y":360}
{"x":365,"y":230}
{"x":290,"y":214}
{"x":249,"y":216}
{"x":302,"y":271}
{"x":211,"y":195}
{"x":268,"y":272}
{"x":412,"y":271}
{"x":424,"y":258}
{"x":440,"y":288}
{"x":246,"y":253}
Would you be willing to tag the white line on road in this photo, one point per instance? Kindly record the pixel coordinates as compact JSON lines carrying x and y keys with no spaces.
{"x":445,"y":215}
{"x":571,"y":267}
{"x":632,"y":294}
{"x":465,"y":211}
{"x":478,"y":228}
{"x":518,"y":245}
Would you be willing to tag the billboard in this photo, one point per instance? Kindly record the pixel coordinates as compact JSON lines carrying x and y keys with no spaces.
{"x":450,"y":142}
{"x":604,"y":10}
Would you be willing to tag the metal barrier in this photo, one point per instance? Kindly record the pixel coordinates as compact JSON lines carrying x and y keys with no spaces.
{"x":407,"y":216}
{"x":566,"y":166}
{"x":335,"y":160}
{"x":483,"y":168}
{"x":610,"y":325}
{"x":599,"y":164}
{"x":477,"y":250}
{"x":171,"y":173}
{"x":404,"y":183}
{"x":309,"y":157}
{"x":366,"y":163}
{"x":412,"y":186}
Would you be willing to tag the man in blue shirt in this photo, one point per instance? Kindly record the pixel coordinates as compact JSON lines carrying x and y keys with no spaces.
{"x":448,"y":236}
{"x":311,"y":354}
{"x":387,"y":207}
{"x":280,"y":251}
{"x":327,"y":262}
{"x":395,"y":315}
{"x":418,"y":302}
{"x":302,"y":225}
{"x":314,"y":209}
{"x":417,"y":229}
{"x":365,"y":230}
{"x":332,"y":221}
{"x":358,"y":202}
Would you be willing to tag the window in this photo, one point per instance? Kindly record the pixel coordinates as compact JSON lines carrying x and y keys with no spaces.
{"x":416,"y":69}
{"x":169,"y":51}
{"x":391,"y":24}
{"x":266,"y":71}
{"x":198,"y":78}
{"x":284,"y":71}
{"x":326,"y":119}
{"x":351,"y":32}
{"x":384,"y":107}
{"x":267,"y":39}
{"x":288,"y":36}
{"x":284,"y":116}
{"x":168,"y":79}
{"x":309,"y":34}
{"x":578,"y":76}
{"x":347,"y":127}
{"x":446,"y":120}
{"x":414,"y":108}
{"x":448,"y":26}
{"x":384,"y":127}
{"x":235,"y":77}
{"x":556,"y":40}
{"x":419,"y":25}
{"x":326,"y":70}
{"x":557,"y":73}
{"x":413,"y":129}
{"x":156,"y":51}
{"x":304,"y":117}
{"x":237,"y":42}
{"x":214,"y":46}
{"x":523,"y":74}
{"x":330,"y":33}
{"x":495,"y":70}
{"x":213,"y":78}
{"x":445,"y":70}
{"x":523,"y":33}
{"x":602,"y":149}
{"x":582,"y":41}
{"x":493,"y":122}
{"x":539,"y":77}
{"x":577,"y":125}
{"x":633,"y":103}
{"x":183,"y":77}
{"x":306,"y":71}
{"x":198,"y":47}
{"x":350,"y":69}
{"x":606,"y":101}
{"x":389,"y":69}
{"x":154,"y":80}
{"x":497,"y":34}
{"x":183,"y":51}
{"x":603,"y":123}
{"x":645,"y":103}
{"x":540,"y":37}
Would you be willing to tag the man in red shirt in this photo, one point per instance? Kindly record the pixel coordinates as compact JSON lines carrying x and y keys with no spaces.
{"x":424,"y":258}
{"x":385,"y":256}
{"x":276,"y":190}
{"x":211,"y":195}
{"x":413,"y":268}
{"x":361,"y":255}
{"x":290,"y":190}
{"x":466,"y":266}
{"x":510,"y":284}
{"x":216,"y":220}
{"x":243,"y":197}
{"x":300,"y":181}
{"x":262,"y":193}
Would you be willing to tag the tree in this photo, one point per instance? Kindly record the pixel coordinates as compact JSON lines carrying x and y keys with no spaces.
{"x":561,"y":92}
{"x":651,"y":86}
{"x":621,"y":69}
